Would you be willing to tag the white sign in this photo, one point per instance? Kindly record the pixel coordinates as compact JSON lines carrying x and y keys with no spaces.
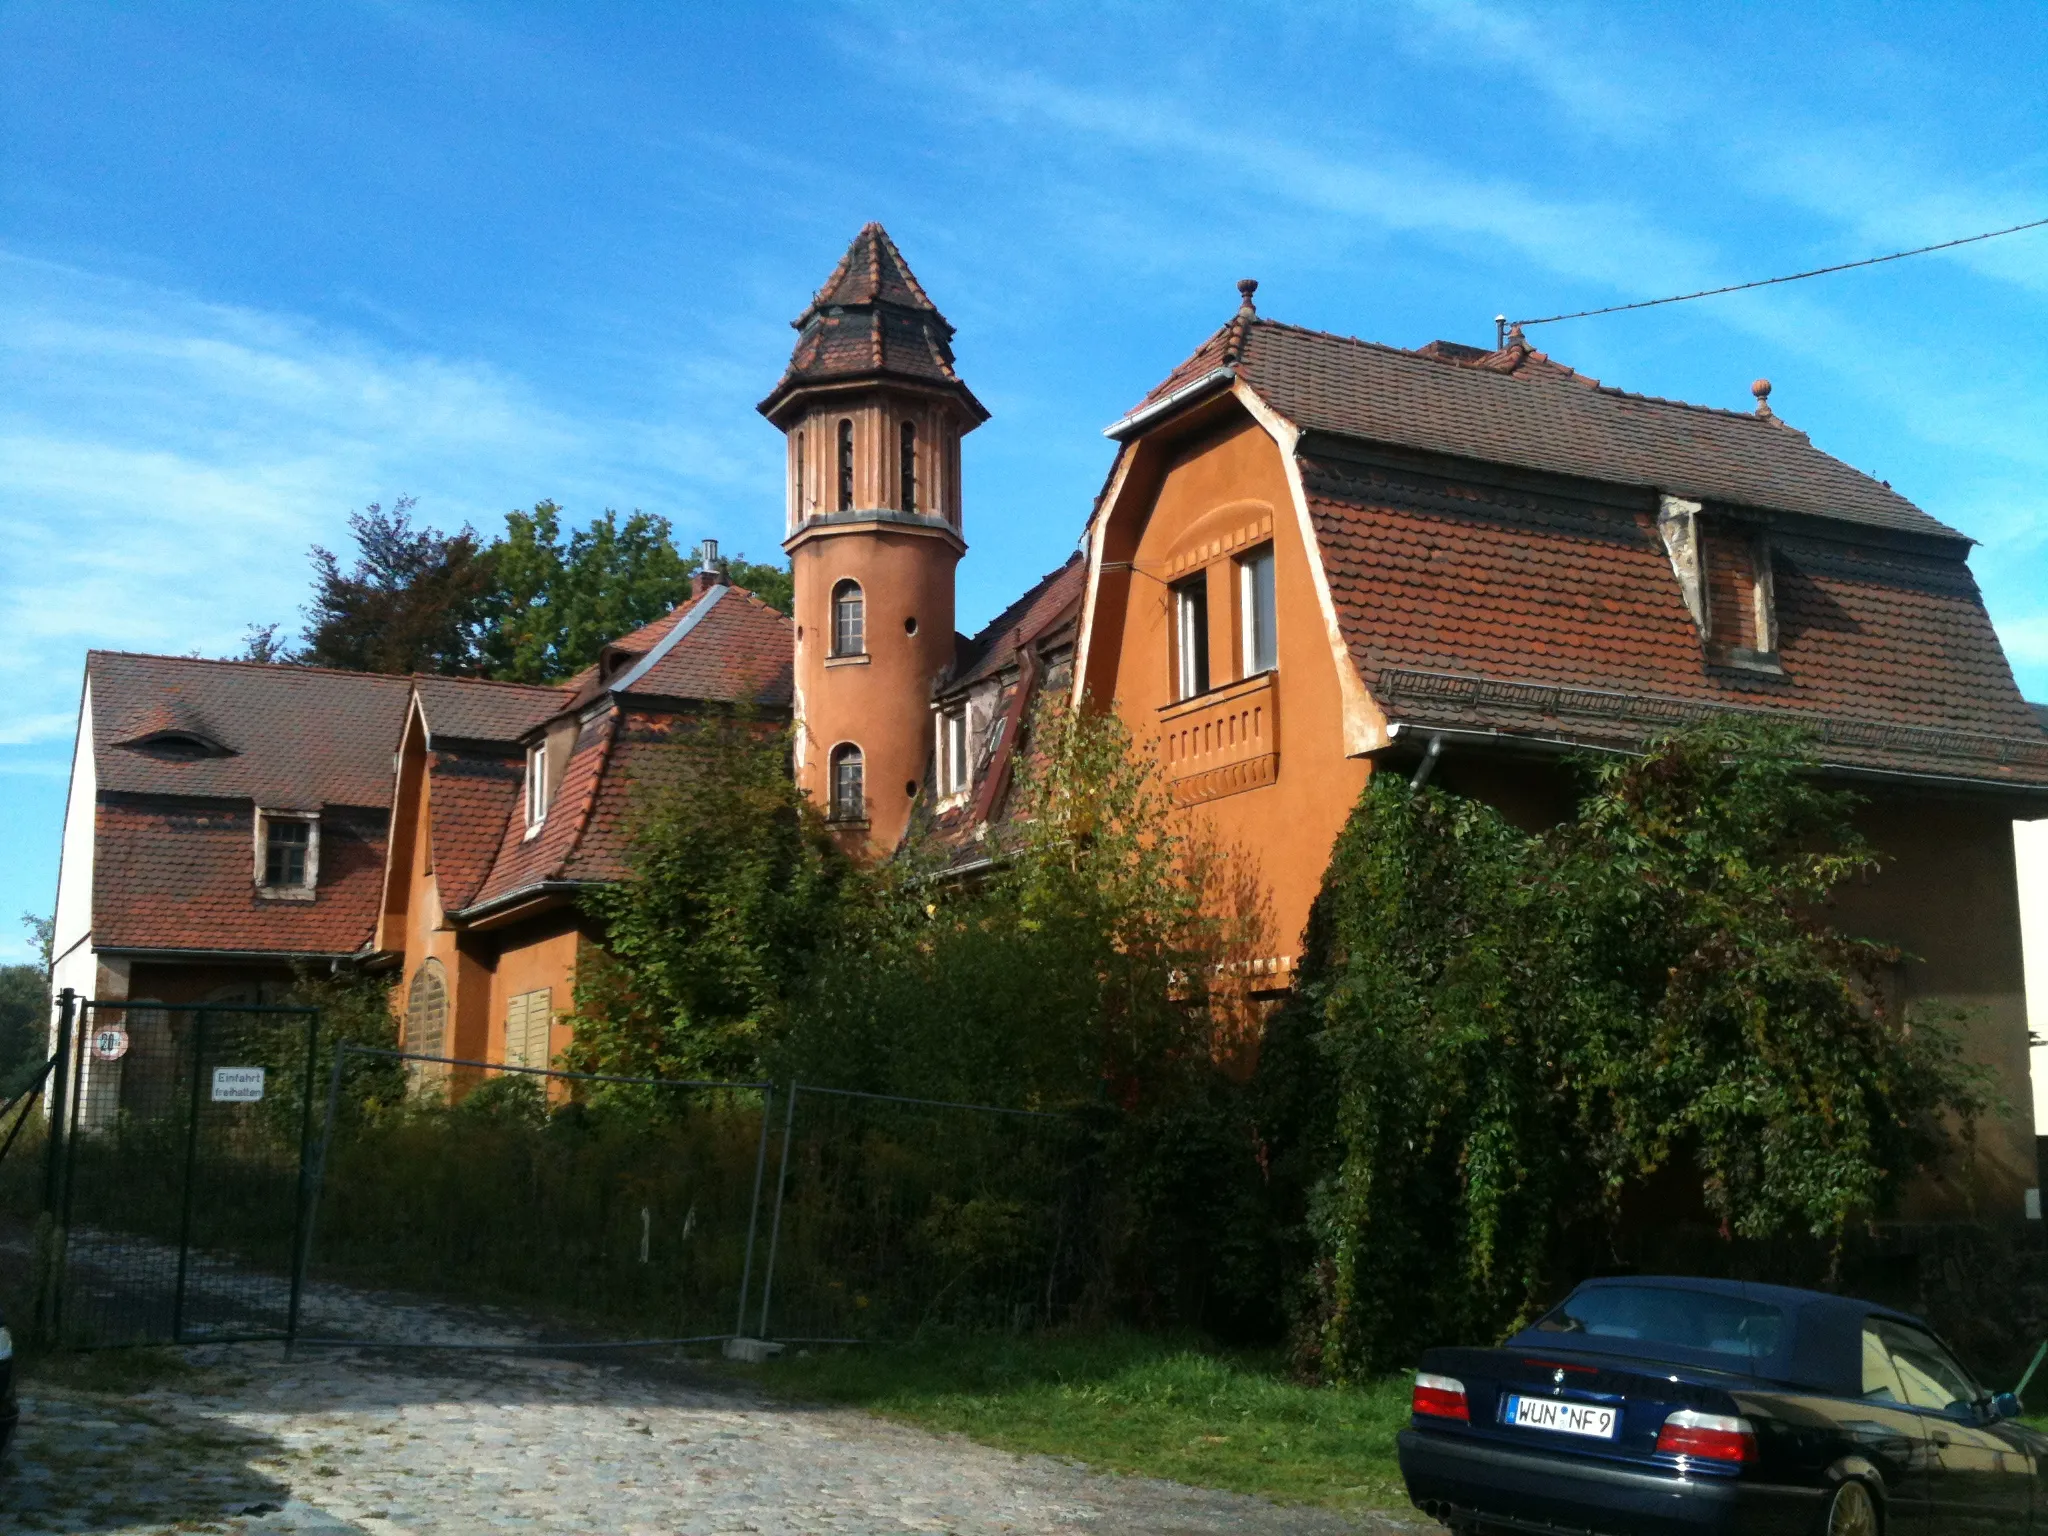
{"x":237,"y":1085}
{"x":110,"y":1042}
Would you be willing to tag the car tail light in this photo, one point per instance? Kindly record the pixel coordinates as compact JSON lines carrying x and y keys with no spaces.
{"x":1708,"y":1437}
{"x":1440,"y":1397}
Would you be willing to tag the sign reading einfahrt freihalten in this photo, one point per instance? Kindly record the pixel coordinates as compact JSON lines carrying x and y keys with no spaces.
{"x":237,"y":1085}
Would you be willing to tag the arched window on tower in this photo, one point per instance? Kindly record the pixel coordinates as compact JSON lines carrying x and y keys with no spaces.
{"x":801,"y":510}
{"x":907,"y":462}
{"x":849,"y":620}
{"x":849,"y":788}
{"x":846,"y":465}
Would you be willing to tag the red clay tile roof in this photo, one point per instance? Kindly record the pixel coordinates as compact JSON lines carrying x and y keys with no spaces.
{"x":995,"y":646}
{"x":470,"y":795}
{"x":296,"y":737}
{"x":179,"y":874}
{"x":522,"y":863}
{"x":1518,"y":408}
{"x":736,"y":650}
{"x":1506,"y":610}
{"x":473,"y":709}
{"x":871,"y":320}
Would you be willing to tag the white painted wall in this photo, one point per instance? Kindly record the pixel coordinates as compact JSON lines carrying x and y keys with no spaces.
{"x":74,"y":966}
{"x":2030,"y":854}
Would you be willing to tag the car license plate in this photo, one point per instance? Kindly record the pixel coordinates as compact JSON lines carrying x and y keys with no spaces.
{"x":1565,"y":1418}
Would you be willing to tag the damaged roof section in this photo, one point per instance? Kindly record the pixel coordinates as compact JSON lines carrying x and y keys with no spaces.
{"x":1023,"y":654}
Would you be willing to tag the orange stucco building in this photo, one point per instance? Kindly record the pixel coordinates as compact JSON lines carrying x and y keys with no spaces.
{"x":1317,"y":558}
{"x":1314,"y":558}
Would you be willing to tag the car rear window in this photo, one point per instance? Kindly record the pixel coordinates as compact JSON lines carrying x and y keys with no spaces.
{"x":1650,"y":1319}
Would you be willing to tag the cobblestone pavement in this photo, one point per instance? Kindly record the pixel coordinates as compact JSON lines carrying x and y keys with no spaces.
{"x":342,"y":1441}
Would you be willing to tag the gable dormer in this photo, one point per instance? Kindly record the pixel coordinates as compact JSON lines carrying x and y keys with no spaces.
{"x":1724,"y":568}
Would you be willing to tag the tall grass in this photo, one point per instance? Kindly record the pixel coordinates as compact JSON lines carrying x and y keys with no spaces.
{"x":1155,"y":1406}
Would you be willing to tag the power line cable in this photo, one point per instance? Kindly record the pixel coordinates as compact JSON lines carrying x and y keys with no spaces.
{"x":1502,"y":323}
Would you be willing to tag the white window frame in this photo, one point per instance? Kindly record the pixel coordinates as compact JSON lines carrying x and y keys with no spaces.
{"x":1191,"y":649}
{"x":954,"y":771}
{"x":538,"y":790}
{"x":841,"y":590}
{"x":837,"y":808}
{"x":301,"y":892}
{"x":1248,"y":567}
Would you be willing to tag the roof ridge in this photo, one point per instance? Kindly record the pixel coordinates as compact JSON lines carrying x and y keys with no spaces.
{"x":266,"y":666}
{"x":489,"y":682}
{"x":1734,"y":413}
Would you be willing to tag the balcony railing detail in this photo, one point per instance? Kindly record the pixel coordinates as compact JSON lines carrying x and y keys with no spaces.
{"x":1222,"y":742}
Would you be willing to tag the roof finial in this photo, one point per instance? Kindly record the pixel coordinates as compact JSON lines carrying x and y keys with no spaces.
{"x":1762,"y":390}
{"x":1247,"y":286}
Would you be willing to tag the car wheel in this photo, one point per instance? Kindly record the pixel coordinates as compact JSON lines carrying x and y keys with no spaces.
{"x":1852,"y":1512}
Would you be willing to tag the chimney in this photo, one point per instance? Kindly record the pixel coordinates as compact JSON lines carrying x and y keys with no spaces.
{"x":711,"y":573}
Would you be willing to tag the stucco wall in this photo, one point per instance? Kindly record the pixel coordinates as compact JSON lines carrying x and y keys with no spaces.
{"x":882,"y":702}
{"x":1948,"y":896}
{"x":542,"y":953}
{"x":1216,"y":486}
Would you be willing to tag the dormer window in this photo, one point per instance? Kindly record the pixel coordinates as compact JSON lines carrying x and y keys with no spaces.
{"x":953,"y":751}
{"x":907,"y":460}
{"x":287,"y":854}
{"x":536,"y":786}
{"x":176,"y":746}
{"x":846,"y":465}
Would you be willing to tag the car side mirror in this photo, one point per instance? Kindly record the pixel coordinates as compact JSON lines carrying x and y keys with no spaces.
{"x":2005,"y":1406}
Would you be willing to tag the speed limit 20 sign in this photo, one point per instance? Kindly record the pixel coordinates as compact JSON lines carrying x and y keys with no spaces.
{"x":109,"y":1042}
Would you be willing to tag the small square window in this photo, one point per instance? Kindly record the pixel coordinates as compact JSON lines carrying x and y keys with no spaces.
{"x":287,"y":853}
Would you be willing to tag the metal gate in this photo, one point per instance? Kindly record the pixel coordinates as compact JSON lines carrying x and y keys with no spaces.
{"x":176,"y":1175}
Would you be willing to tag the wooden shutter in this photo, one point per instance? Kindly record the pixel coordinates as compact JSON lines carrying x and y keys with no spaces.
{"x":527,"y":1020}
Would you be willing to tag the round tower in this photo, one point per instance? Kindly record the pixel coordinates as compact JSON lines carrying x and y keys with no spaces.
{"x":873,"y":413}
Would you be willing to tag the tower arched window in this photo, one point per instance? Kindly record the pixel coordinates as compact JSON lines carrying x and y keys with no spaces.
{"x":849,"y":620}
{"x":907,"y":465}
{"x":800,"y":474}
{"x":849,"y":783}
{"x":846,"y":464}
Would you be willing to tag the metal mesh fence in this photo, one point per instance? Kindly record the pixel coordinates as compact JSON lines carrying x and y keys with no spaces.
{"x":892,"y":1215}
{"x":534,"y":1208}
{"x":210,"y":1173}
{"x":178,"y":1184}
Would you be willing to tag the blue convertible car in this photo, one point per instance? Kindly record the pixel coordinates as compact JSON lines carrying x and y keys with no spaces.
{"x":1669,"y":1407}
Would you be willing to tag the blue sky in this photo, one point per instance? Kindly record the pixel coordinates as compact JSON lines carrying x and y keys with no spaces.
{"x":260,"y":265}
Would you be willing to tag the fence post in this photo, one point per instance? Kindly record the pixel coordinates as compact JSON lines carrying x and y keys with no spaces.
{"x":191,"y":1167}
{"x":53,"y":1170}
{"x":781,"y":1184}
{"x":67,"y":1002}
{"x":306,"y":1087}
{"x":303,"y":1259}
{"x":739,"y":1325}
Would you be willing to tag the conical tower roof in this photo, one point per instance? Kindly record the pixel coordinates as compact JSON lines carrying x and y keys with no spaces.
{"x":872,"y":321}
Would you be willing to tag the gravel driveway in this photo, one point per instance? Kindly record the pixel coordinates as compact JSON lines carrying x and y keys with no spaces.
{"x":385,"y":1442}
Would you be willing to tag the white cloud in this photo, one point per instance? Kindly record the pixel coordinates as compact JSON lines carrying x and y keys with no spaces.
{"x":165,"y":464}
{"x":1381,"y":185}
